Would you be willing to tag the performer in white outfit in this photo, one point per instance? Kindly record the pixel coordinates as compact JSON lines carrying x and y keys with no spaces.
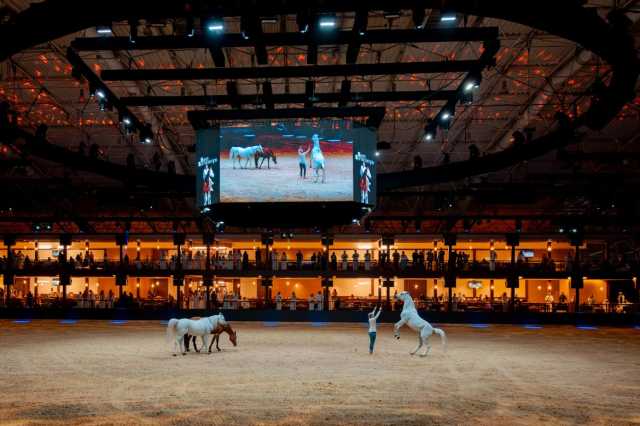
{"x":278,"y":301}
{"x":373,"y":317}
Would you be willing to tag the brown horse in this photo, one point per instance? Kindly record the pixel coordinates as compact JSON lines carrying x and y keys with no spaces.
{"x":265,"y":154}
{"x":233,"y":338}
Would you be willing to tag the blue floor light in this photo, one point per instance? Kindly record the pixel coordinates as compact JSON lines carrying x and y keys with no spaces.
{"x":319,"y":324}
{"x":479,"y":325}
{"x":532,"y":326}
{"x":271,"y":323}
{"x":118,"y":322}
{"x":586,"y":327}
{"x":22,"y":321}
{"x":68,"y":321}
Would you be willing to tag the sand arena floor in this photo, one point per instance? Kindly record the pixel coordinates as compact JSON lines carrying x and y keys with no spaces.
{"x":95,"y":372}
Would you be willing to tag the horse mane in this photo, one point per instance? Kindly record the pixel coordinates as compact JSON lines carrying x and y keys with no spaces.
{"x":408,"y":302}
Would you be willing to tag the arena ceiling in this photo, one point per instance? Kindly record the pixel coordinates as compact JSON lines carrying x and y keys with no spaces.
{"x":536,"y":75}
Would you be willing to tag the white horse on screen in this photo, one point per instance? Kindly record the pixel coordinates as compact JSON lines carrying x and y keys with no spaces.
{"x":237,"y":152}
{"x":177,"y":328}
{"x":317,"y":158}
{"x":409,"y":316}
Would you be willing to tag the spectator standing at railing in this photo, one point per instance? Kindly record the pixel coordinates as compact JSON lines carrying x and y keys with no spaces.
{"x":548,"y":300}
{"x":429,"y":260}
{"x":355,"y":258}
{"x":396,"y":259}
{"x":441,"y":259}
{"x":414,"y":259}
{"x":310,"y":300}
{"x":278,"y":301}
{"x":258,"y":257}
{"x":492,"y":260}
{"x":245,"y":261}
{"x":274,"y":260}
{"x":283,"y":260}
{"x":345,"y":260}
{"x":299,"y":259}
{"x":334,"y":261}
{"x":293,"y":301}
{"x":404,"y":261}
{"x":367,"y":261}
{"x":319,"y":301}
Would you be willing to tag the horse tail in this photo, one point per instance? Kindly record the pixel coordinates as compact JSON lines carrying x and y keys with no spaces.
{"x":440,"y":332}
{"x":231,"y":152}
{"x":171,"y":329}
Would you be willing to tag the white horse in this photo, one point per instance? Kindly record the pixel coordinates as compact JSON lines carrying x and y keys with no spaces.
{"x":409,"y":316}
{"x":317,"y":158}
{"x":243,"y":154}
{"x":177,"y":328}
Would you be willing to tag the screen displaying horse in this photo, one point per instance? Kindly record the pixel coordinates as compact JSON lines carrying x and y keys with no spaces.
{"x":285,"y":161}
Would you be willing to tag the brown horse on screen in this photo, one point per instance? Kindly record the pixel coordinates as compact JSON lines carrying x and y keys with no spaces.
{"x":265,"y":154}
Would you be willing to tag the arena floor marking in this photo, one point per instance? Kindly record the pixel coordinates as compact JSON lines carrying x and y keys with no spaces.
{"x":118,"y":322}
{"x":532,"y":326}
{"x":22,"y":321}
{"x":68,"y":321}
{"x":479,"y":325}
{"x":586,"y":327}
{"x":271,"y":323}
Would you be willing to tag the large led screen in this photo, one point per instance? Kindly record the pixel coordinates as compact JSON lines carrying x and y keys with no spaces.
{"x":301,"y":161}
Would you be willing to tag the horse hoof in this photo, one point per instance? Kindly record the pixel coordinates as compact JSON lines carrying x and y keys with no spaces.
{"x":184,"y":353}
{"x":175,"y":354}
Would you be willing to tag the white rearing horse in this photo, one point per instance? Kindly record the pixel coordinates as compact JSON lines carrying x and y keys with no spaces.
{"x":317,"y":158}
{"x":243,"y":154}
{"x":409,"y":316}
{"x":177,"y":328}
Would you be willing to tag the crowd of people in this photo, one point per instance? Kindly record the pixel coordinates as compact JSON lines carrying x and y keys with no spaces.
{"x":430,"y":260}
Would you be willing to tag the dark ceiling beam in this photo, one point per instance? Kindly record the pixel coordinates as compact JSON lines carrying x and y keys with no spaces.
{"x":295,"y":98}
{"x":438,"y":35}
{"x":94,"y":81}
{"x":292,"y":72}
{"x":217,"y":55}
{"x":199,"y":118}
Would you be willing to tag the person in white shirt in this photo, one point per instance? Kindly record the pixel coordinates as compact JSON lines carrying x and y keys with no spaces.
{"x":548,"y":300}
{"x":292,"y":302}
{"x":373,"y":317}
{"x":310,"y":300}
{"x":319,"y":301}
{"x":278,"y":301}
{"x":367,"y":261}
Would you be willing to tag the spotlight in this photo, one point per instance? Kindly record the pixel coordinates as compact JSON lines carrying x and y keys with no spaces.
{"x":104,"y":30}
{"x":126,"y":121}
{"x":377,"y":153}
{"x":392,"y":14}
{"x":327,"y":22}
{"x":447,"y":16}
{"x":100,"y":94}
{"x":446,"y":115}
{"x":215,"y":25}
{"x":428,"y":136}
{"x":269,"y":20}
